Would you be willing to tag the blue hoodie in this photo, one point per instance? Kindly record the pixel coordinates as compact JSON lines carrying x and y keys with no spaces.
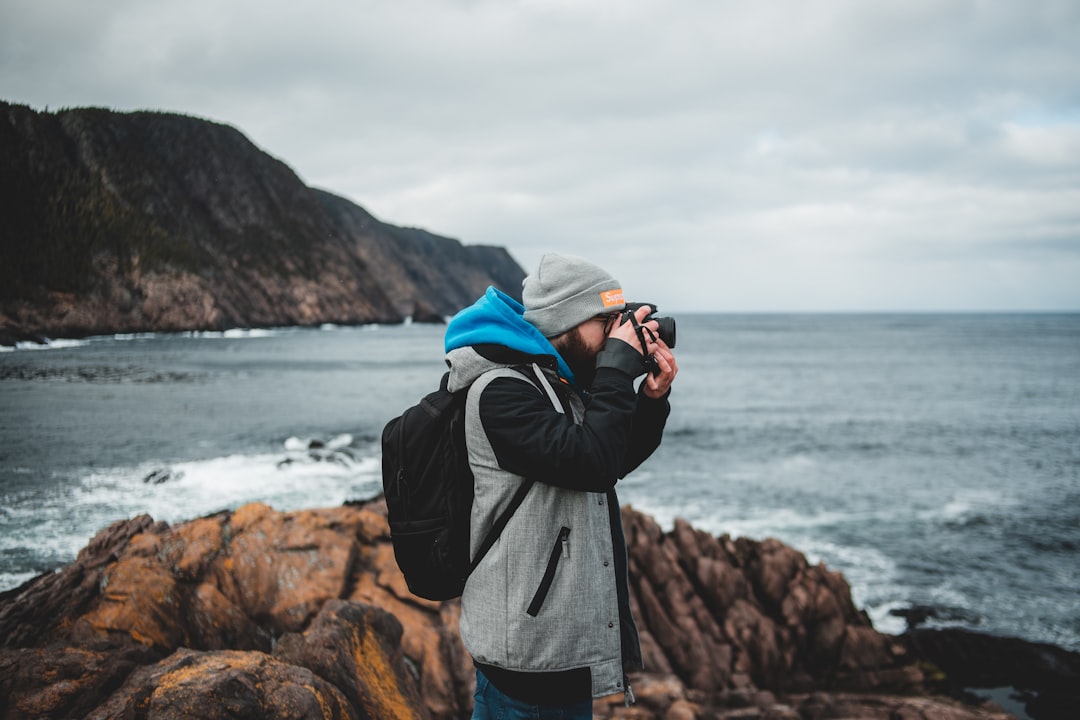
{"x":498,"y":319}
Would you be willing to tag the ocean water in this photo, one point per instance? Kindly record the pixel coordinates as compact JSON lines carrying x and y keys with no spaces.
{"x":933,"y":459}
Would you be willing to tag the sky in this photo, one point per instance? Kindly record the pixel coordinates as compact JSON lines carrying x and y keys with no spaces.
{"x":766,"y":156}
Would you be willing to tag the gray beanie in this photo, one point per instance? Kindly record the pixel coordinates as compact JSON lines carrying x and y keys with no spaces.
{"x":565,"y":291}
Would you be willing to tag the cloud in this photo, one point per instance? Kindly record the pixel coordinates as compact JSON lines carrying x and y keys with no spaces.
{"x":783,"y":155}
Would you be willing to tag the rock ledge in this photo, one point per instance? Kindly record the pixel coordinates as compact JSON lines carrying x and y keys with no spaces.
{"x":256,"y":613}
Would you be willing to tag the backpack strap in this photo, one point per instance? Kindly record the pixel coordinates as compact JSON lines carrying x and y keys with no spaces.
{"x":519,"y":496}
{"x":555,"y":402}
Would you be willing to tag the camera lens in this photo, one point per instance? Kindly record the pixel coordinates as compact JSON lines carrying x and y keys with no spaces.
{"x":667,"y":329}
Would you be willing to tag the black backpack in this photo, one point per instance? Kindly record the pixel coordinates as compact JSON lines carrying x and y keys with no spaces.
{"x":428,"y":486}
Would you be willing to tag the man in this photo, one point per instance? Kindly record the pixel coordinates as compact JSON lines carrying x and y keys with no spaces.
{"x":546,"y":614}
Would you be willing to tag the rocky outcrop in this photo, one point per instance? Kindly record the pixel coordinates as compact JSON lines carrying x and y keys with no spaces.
{"x":126,"y":222}
{"x":260,"y":614}
{"x":1045,"y":679}
{"x":724,"y":614}
{"x":422,"y":273}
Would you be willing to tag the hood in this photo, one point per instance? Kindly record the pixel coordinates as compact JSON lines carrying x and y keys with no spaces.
{"x":495,"y":321}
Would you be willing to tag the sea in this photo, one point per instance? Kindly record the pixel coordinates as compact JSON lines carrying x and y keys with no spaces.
{"x":933,"y":459}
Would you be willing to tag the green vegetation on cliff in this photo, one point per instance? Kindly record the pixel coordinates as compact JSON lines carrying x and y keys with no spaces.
{"x":154,"y":221}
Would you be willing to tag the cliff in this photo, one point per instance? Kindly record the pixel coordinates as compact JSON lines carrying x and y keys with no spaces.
{"x":260,"y":614}
{"x":124,"y":222}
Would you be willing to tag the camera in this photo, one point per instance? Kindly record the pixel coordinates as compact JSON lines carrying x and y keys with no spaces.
{"x":666,"y":330}
{"x":667,"y":324}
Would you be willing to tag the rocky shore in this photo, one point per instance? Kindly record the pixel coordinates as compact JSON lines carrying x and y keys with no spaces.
{"x":255,"y":613}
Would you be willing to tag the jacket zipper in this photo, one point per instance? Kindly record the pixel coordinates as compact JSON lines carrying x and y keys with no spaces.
{"x":561,"y":549}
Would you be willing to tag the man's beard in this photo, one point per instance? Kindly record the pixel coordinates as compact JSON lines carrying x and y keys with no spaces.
{"x":578,"y":356}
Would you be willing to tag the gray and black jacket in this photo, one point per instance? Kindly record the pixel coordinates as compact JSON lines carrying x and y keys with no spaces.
{"x":548,"y":607}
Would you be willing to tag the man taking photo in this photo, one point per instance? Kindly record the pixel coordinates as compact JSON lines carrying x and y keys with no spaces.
{"x":552,"y":399}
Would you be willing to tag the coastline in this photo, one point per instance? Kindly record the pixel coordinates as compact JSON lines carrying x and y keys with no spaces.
{"x":727,"y":626}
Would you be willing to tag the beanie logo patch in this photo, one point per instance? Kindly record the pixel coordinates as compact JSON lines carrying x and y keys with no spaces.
{"x":610,"y":298}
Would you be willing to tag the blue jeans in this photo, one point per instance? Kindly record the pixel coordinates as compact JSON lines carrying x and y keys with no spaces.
{"x":490,"y":704}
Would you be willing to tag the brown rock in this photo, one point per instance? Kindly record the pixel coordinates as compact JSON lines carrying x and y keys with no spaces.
{"x":225,"y":685}
{"x":822,"y":706}
{"x":305,"y":614}
{"x":64,"y":682}
{"x":358,"y":649}
{"x":679,"y":620}
{"x":764,"y":651}
{"x":656,"y":693}
{"x":233,"y":581}
{"x":430,"y":637}
{"x":43,"y":608}
{"x":771,"y":566}
{"x":756,"y":608}
{"x":285,"y":567}
{"x":681,"y":710}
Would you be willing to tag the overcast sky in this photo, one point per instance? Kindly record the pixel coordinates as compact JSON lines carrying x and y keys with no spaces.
{"x":714,"y":155}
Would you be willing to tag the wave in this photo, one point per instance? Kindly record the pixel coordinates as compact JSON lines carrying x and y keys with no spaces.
{"x":229,"y":334}
{"x":47,"y":344}
{"x":49,"y":530}
{"x":233,"y":333}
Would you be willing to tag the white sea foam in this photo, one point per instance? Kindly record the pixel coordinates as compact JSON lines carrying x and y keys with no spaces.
{"x":49,"y":344}
{"x":135,"y":336}
{"x":291,"y":482}
{"x":295,"y":479}
{"x":969,"y":503}
{"x":882,"y":615}
{"x":231,"y":334}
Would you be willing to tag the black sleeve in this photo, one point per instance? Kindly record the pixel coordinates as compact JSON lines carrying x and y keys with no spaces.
{"x":650,"y":417}
{"x":531,"y":438}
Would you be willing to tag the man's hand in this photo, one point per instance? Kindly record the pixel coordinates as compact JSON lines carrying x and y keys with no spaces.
{"x":656,"y":386}
{"x":625,"y":331}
